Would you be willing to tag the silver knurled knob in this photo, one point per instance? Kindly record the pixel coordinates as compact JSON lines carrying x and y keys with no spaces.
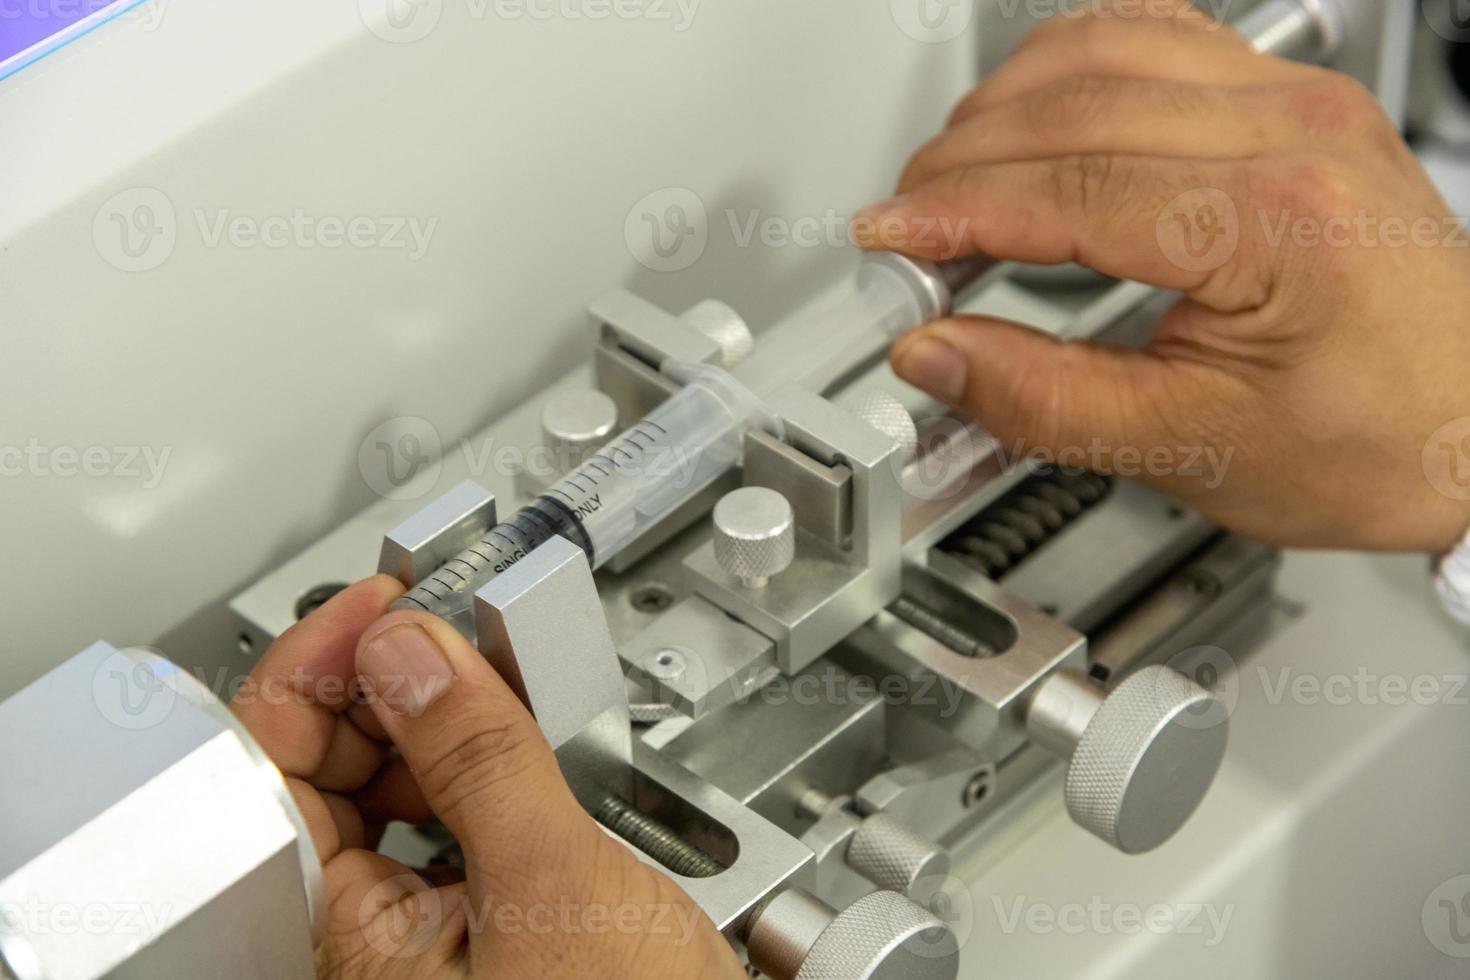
{"x":1141,"y":759}
{"x":575,"y":422}
{"x":724,"y":326}
{"x":892,"y":856}
{"x":886,"y":414}
{"x":754,"y":534}
{"x":881,"y":936}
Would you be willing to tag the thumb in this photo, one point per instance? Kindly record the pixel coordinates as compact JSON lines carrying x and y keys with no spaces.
{"x":477,"y":754}
{"x":1075,"y":403}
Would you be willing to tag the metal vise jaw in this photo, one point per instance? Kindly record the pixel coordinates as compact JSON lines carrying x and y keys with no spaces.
{"x":540,"y":624}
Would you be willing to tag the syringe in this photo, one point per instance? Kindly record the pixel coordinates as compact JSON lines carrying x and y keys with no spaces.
{"x":697,"y":434}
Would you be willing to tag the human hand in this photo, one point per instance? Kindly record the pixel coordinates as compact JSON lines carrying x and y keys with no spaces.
{"x":546,"y":892}
{"x":1320,"y":352}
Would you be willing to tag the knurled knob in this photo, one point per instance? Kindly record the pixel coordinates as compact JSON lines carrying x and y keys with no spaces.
{"x":892,"y":856}
{"x":886,"y":414}
{"x":724,"y":326}
{"x":1142,"y":761}
{"x":754,"y":534}
{"x":883,"y":936}
{"x":575,"y":422}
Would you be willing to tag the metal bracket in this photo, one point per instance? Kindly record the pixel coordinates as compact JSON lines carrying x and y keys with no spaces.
{"x":984,"y":697}
{"x":823,"y":731}
{"x":928,"y":796}
{"x":833,"y":586}
{"x":760,"y":858}
{"x":634,"y":337}
{"x":697,"y":659}
{"x":540,"y":624}
{"x":449,"y":524}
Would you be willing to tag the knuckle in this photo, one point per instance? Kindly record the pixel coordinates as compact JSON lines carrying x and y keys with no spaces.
{"x":1089,"y":184}
{"x":1309,"y":189}
{"x":1334,"y":103}
{"x":1031,"y":408}
{"x":1183,"y":102}
{"x":1319,"y":190}
{"x":1267,"y":191}
{"x":1063,"y":109}
{"x":958,"y":190}
{"x":480,"y":765}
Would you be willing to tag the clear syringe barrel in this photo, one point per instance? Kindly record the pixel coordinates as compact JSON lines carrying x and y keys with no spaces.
{"x":891,"y":294}
{"x":698,"y":433}
{"x":636,"y":479}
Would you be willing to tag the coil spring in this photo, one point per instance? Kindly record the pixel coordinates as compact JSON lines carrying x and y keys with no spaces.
{"x":1004,"y":534}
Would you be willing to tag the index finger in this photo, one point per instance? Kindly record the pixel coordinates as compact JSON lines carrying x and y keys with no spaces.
{"x":1117,"y":214}
{"x":304,"y":682}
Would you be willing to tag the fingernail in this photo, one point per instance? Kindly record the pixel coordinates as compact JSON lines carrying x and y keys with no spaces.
{"x":405,"y":669}
{"x":934,"y":366}
{"x":873,"y":212}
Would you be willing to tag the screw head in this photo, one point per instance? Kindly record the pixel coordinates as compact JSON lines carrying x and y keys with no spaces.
{"x":665,"y":664}
{"x":976,"y":790}
{"x":886,"y":414}
{"x":720,"y":323}
{"x":754,"y":534}
{"x":575,"y":422}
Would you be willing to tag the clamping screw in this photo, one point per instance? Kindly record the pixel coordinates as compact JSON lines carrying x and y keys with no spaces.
{"x":754,"y":534}
{"x":574,"y":423}
{"x":720,"y":323}
{"x":886,"y":414}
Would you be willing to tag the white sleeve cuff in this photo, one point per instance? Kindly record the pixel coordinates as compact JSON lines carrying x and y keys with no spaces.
{"x":1453,"y":581}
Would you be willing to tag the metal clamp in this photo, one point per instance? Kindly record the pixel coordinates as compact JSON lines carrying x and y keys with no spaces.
{"x":839,"y":474}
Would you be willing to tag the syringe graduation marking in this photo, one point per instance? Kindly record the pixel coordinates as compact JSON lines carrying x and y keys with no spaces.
{"x":554,"y":512}
{"x":595,"y":487}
